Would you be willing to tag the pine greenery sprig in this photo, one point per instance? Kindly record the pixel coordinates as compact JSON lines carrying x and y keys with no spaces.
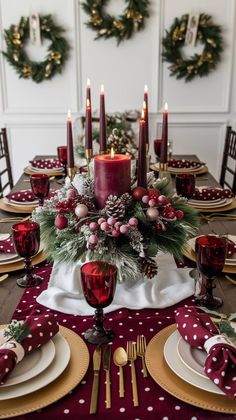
{"x":223,"y":324}
{"x":16,"y":330}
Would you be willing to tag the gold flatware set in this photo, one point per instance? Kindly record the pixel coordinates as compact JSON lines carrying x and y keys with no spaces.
{"x":120,"y":359}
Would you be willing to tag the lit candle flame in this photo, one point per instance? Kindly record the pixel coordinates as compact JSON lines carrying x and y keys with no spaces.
{"x":112,"y":153}
{"x":88,"y":83}
{"x":166,"y":106}
{"x":142,"y":114}
{"x":69,"y":114}
{"x":87,"y":103}
{"x":102,"y":88}
{"x":144,"y":106}
{"x":146,"y":89}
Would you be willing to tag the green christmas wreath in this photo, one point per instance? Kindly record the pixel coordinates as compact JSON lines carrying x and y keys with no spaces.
{"x":17,"y":35}
{"x":202,"y":64}
{"x":121,"y":27}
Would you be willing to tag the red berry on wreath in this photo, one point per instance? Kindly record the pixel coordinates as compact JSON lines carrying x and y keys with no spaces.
{"x":61,"y":221}
{"x":179,"y":214}
{"x":71,"y":194}
{"x":162,"y":200}
{"x":153,"y":194}
{"x":138,"y":193}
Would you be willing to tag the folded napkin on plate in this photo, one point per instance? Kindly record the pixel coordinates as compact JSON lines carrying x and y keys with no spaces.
{"x":181,"y":163}
{"x":200,"y":332}
{"x":21,"y":196}
{"x":7,"y":246}
{"x":46,"y":163}
{"x":40,"y":330}
{"x":211,"y":194}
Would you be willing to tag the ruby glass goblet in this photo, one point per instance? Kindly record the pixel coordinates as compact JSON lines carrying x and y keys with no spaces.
{"x":185,"y":185}
{"x":40,"y":185}
{"x":99,"y":284}
{"x":26,"y":238}
{"x":62,"y":157}
{"x":210,"y":257}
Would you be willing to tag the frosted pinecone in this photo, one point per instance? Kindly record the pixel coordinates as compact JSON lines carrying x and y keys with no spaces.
{"x":114,"y":207}
{"x":148,"y":266}
{"x":126,"y":199}
{"x":84,"y":185}
{"x":84,"y":199}
{"x":136,"y":240}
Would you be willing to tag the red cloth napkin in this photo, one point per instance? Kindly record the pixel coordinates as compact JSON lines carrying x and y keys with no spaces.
{"x":22,"y":196}
{"x":212,"y":194}
{"x":7,"y":246}
{"x":181,"y":163}
{"x":196,"y":328}
{"x":42,"y":329}
{"x":46,"y":163}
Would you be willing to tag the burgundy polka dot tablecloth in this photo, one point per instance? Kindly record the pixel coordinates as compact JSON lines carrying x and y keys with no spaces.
{"x":154,"y":402}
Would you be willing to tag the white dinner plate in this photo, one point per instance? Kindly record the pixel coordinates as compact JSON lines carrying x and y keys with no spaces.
{"x":45,"y":170}
{"x":58,"y":365}
{"x":217,"y":200}
{"x":185,"y":170}
{"x":193,"y":358}
{"x":26,"y":203}
{"x":32,"y":365}
{"x":19,"y":204}
{"x":202,"y":204}
{"x":181,"y":370}
{"x":229,"y":261}
{"x":5,"y":258}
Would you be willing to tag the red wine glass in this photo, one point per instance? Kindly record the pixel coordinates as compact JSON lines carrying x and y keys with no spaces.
{"x":62,"y":157}
{"x":157,"y":148}
{"x":26,"y":238}
{"x":210,"y":256}
{"x":185,"y":185}
{"x":40,"y":185}
{"x":99,"y":284}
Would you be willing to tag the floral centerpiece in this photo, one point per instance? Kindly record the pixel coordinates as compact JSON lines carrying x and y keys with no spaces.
{"x":128,"y":231}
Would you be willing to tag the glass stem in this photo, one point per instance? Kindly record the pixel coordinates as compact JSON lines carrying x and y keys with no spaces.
{"x":28,"y":269}
{"x":99,"y":318}
{"x":209,"y":289}
{"x":41,"y":202}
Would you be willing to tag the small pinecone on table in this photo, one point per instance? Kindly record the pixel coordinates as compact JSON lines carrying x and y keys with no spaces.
{"x":148,"y":266}
{"x":126,"y":199}
{"x":114,"y":207}
{"x":84,"y":199}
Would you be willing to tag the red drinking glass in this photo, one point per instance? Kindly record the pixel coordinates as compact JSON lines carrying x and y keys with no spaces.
{"x":185,"y":185}
{"x":210,"y":256}
{"x":62,"y":156}
{"x":157,"y":148}
{"x":26,"y":238}
{"x":99,"y":284}
{"x":40,"y":185}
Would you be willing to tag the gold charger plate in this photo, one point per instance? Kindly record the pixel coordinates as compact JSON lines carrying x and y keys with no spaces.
{"x":29,"y":171}
{"x":180,"y":389}
{"x":202,"y":170}
{"x":227,"y":207}
{"x":19,"y":265}
{"x":189,"y":253}
{"x":72,"y":376}
{"x":11,"y":208}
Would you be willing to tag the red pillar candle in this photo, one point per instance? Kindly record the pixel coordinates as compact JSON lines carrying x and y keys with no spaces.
{"x":112,"y":175}
{"x":88,"y":127}
{"x":146,"y":114}
{"x":164,"y":148}
{"x":142,"y":160}
{"x":102,"y":132}
{"x":70,"y":149}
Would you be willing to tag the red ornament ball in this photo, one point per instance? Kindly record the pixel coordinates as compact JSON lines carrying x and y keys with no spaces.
{"x":61,"y":221}
{"x":138,"y":193}
{"x":179,"y":214}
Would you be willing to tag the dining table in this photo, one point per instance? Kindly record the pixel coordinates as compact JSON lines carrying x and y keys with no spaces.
{"x":154,"y":401}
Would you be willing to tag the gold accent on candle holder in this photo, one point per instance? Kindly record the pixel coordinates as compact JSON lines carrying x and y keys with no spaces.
{"x":71,"y":173}
{"x":88,"y":155}
{"x":163,"y":166}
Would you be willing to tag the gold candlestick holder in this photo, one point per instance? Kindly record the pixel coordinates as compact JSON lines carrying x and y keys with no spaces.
{"x":163,"y":166}
{"x":71,"y":172}
{"x":88,"y":155}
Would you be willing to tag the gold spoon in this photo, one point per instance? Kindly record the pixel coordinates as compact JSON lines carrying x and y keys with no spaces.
{"x":120,"y":359}
{"x":4,"y":277}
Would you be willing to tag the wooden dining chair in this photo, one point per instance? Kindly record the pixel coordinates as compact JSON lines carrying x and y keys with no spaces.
{"x":6,"y":179}
{"x":228,"y":168}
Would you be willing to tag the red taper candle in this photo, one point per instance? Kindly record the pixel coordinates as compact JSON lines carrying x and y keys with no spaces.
{"x":88,"y":127}
{"x":145,"y":98}
{"x":164,"y":145}
{"x":88,"y":91}
{"x":102,"y":132}
{"x":70,"y":148}
{"x":142,"y":160}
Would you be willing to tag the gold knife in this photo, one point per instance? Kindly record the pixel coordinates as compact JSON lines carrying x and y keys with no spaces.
{"x":106,"y":367}
{"x":96,"y":367}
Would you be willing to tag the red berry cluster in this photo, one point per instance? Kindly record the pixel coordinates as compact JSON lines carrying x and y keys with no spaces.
{"x":66,"y":206}
{"x":168,"y":212}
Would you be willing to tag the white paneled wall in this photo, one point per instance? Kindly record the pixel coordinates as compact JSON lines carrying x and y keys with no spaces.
{"x":199,"y":110}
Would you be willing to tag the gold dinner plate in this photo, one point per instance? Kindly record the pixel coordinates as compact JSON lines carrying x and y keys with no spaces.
{"x":29,"y":171}
{"x":12,"y":208}
{"x":72,"y":376}
{"x":175,"y":171}
{"x":180,"y":389}
{"x":19,"y":265}
{"x":189,"y":253}
{"x":227,"y":207}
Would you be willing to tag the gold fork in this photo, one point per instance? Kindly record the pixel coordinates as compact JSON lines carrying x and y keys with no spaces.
{"x":141,"y":349}
{"x":132,"y":356}
{"x":14,"y":219}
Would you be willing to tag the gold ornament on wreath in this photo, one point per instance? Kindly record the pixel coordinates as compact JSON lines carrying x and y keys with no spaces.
{"x":121,"y":27}
{"x":16,"y":37}
{"x":202,"y":64}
